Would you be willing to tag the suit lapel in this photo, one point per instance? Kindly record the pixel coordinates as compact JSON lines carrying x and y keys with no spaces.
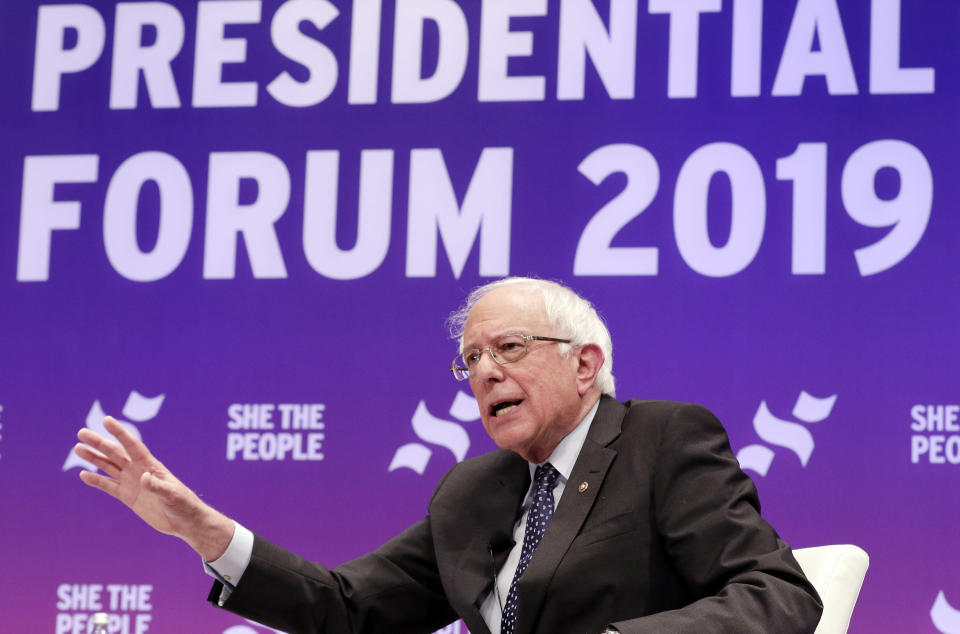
{"x":575,"y":504}
{"x":501,"y":507}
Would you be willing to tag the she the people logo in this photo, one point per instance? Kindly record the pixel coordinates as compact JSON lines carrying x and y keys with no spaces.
{"x":437,"y":431}
{"x":783,"y":433}
{"x":138,"y":408}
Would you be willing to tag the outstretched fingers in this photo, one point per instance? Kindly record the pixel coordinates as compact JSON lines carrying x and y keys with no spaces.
{"x":105,"y":484}
{"x":97,"y":459}
{"x":134,"y":447}
{"x":132,"y":475}
{"x":108,"y":448}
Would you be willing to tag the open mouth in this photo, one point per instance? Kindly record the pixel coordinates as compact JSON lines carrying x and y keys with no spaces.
{"x":504,"y":407}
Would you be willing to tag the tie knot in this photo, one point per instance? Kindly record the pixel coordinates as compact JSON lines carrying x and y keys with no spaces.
{"x":546,"y":476}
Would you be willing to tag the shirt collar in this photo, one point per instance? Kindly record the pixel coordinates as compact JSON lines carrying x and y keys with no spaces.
{"x":566,"y":453}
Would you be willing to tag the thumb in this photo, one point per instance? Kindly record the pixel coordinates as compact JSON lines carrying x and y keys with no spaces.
{"x":153,"y":484}
{"x":172,"y":493}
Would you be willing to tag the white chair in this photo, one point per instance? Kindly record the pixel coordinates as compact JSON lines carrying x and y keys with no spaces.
{"x":837,"y":573}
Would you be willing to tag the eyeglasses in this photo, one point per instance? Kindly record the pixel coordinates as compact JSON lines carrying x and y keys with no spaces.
{"x":506,"y":349}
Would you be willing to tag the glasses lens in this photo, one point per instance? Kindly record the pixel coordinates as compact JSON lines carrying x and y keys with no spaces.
{"x":460,"y":372}
{"x":469,"y":359}
{"x":510,"y":348}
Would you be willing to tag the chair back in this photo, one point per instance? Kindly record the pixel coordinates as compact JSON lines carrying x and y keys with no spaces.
{"x":837,"y":573}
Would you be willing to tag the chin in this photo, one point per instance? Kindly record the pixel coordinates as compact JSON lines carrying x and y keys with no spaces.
{"x":510,"y":439}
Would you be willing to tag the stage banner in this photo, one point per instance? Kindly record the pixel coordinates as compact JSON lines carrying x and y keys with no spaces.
{"x":238,"y":226}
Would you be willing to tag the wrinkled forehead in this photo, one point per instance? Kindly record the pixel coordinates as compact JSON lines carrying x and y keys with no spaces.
{"x":504,"y":311}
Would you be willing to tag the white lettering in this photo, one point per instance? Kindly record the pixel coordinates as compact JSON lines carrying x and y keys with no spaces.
{"x":919,"y":445}
{"x":498,"y":44}
{"x":63,"y":625}
{"x":886,"y":75}
{"x":408,"y":85}
{"x":918,"y":414}
{"x":227,"y":216}
{"x":595,"y":254}
{"x":214,"y":49}
{"x":51,"y":60}
{"x":301,"y":416}
{"x":130,"y":597}
{"x":373,"y":215}
{"x":364,"y":51}
{"x":936,"y":448}
{"x":746,"y":52}
{"x":748,"y":209}
{"x":41,"y":215}
{"x":818,"y":19}
{"x":250,"y":416}
{"x":121,"y":209}
{"x":131,"y":57}
{"x":275,"y":446}
{"x":953,"y":450}
{"x":613,"y":53}
{"x":79,"y":596}
{"x":907,"y":213}
{"x":683,"y":55}
{"x":939,"y":448}
{"x":807,"y":168}
{"x":319,"y":60}
{"x":234,"y":445}
{"x":433,"y":208}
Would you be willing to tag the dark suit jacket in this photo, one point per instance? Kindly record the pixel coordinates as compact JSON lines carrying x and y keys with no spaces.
{"x":666,"y":536}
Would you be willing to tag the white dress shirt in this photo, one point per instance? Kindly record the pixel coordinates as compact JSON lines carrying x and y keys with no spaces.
{"x":563,"y":458}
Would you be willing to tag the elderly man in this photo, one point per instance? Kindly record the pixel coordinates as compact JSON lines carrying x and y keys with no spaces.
{"x":593,"y":516}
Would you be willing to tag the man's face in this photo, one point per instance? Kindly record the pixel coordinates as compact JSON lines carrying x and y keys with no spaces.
{"x":527,"y":406}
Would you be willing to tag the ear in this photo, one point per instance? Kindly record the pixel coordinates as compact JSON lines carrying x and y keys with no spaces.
{"x":589,"y":362}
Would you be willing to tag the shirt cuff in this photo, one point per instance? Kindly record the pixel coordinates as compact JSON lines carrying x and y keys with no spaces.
{"x":230,"y":566}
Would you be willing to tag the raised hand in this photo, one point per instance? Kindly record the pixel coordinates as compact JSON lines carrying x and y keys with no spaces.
{"x":136,"y":478}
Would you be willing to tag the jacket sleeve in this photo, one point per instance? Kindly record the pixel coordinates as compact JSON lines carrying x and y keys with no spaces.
{"x":708,"y":515}
{"x":394,"y":589}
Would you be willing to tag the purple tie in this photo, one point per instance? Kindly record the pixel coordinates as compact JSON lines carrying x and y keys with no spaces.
{"x":541,"y":511}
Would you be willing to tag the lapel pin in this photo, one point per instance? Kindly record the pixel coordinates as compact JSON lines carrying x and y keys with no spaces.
{"x":583,"y":487}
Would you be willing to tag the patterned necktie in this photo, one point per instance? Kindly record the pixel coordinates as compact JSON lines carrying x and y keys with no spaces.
{"x":540,"y":513}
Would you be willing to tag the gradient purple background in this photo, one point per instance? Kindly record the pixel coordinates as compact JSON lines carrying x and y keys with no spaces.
{"x":373,"y":348}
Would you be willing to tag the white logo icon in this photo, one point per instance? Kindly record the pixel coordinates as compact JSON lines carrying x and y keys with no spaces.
{"x":945,"y":617}
{"x":437,"y":431}
{"x":138,"y":408}
{"x":784,"y":433}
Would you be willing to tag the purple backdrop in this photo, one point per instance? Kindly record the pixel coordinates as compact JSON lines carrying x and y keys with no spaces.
{"x":239,"y":226}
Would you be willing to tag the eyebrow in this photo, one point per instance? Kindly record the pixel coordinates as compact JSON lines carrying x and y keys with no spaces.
{"x":510,"y":331}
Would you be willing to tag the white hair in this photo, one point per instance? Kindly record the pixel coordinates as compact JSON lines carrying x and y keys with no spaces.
{"x":574,"y":317}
